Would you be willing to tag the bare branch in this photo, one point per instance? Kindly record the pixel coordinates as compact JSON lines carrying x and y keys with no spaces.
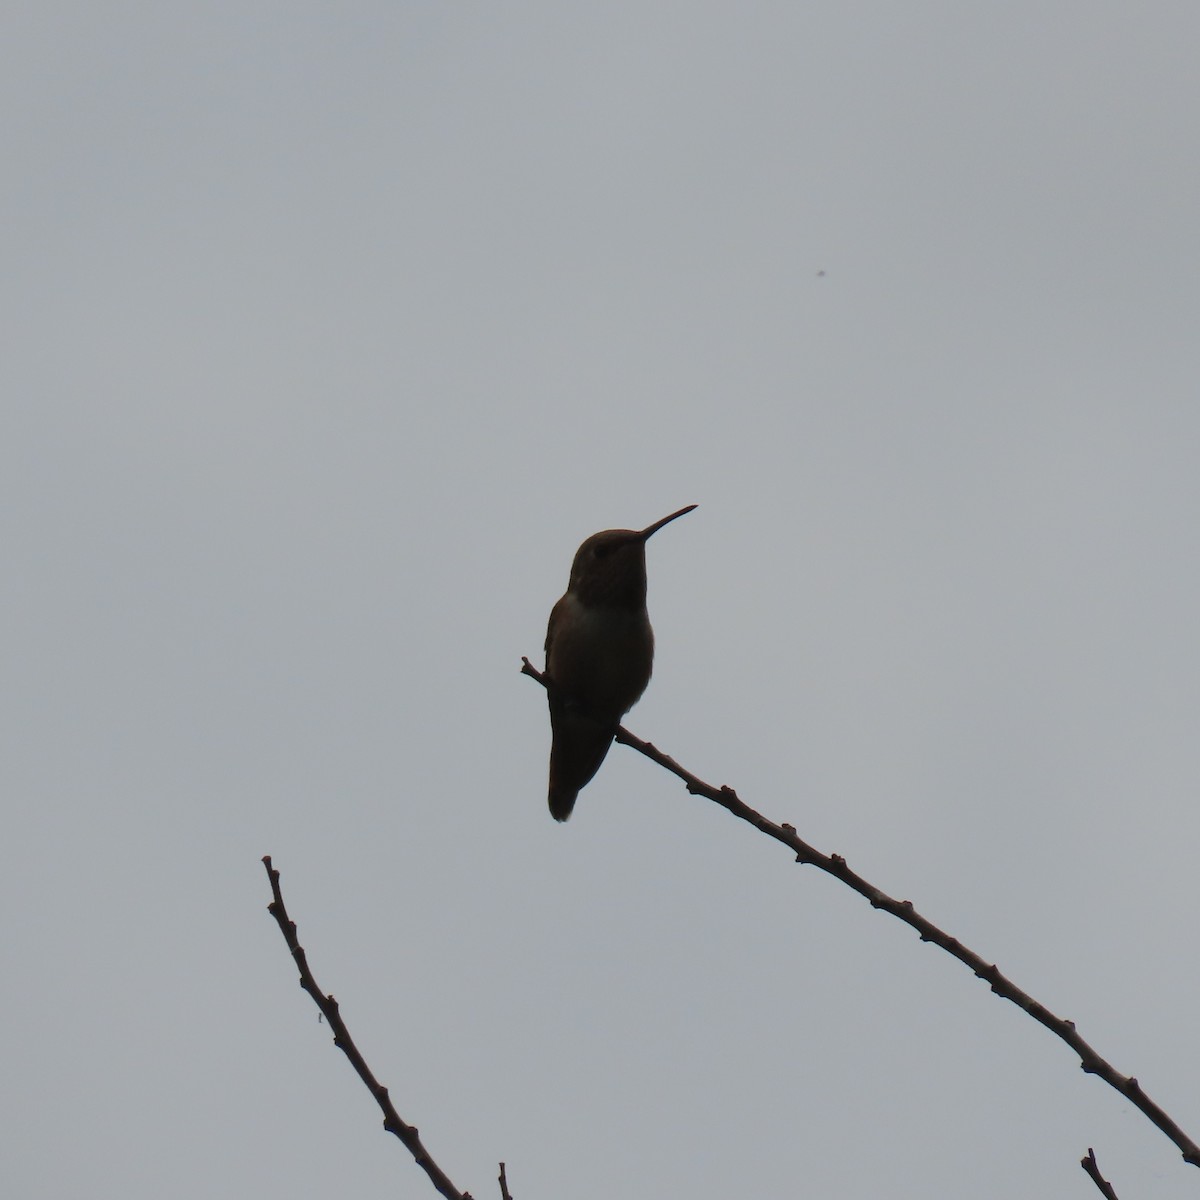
{"x":505,"y":1194}
{"x":344,"y":1042}
{"x":835,"y":865}
{"x":1090,"y":1165}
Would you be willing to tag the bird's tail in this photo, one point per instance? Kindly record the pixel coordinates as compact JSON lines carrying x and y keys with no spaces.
{"x":562,"y":802}
{"x":578,"y":747}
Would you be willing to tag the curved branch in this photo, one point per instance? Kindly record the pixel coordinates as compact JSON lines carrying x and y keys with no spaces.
{"x":341,"y":1038}
{"x":903,"y":910}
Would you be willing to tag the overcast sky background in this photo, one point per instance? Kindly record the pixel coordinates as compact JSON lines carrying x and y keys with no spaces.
{"x":331,"y":331}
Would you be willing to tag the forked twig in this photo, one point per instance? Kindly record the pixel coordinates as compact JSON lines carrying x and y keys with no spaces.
{"x":1090,"y":1165}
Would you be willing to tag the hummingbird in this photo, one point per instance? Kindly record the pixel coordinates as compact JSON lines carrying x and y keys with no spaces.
{"x":599,"y":654}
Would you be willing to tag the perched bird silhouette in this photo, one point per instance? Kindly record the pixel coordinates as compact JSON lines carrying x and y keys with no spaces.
{"x":599,"y":655}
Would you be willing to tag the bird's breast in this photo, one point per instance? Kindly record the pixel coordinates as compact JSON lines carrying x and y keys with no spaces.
{"x":600,"y":657}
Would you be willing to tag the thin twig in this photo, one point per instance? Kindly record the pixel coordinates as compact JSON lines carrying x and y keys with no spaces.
{"x":835,"y":865}
{"x":344,"y":1042}
{"x":505,"y":1194}
{"x":1090,"y":1165}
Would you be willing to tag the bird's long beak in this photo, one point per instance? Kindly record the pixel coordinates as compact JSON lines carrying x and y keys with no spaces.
{"x":645,"y":533}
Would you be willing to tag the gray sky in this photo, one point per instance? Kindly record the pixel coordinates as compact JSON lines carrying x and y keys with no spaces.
{"x":333,"y":330}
